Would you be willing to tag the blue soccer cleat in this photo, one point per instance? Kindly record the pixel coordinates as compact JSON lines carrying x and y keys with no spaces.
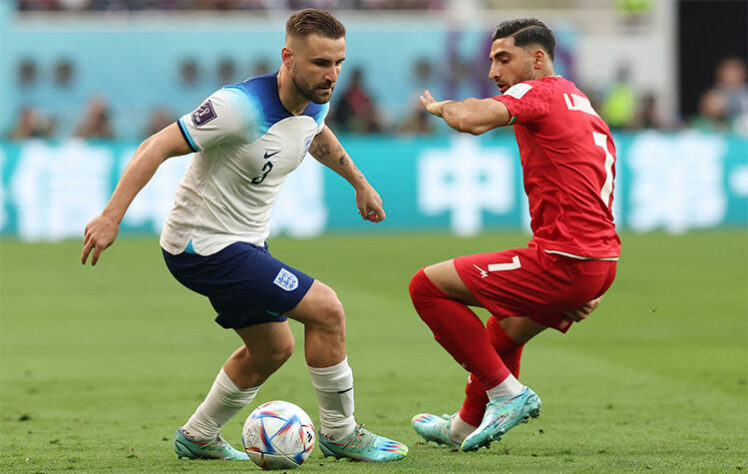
{"x":503,"y":414}
{"x":434,"y":428}
{"x":363,"y":445}
{"x":219,"y":449}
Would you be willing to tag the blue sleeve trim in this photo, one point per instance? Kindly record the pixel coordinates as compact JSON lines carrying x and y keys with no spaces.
{"x":187,"y":136}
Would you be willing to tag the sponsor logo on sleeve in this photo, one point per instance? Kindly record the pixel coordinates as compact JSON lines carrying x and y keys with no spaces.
{"x":286,"y":280}
{"x":518,"y":90}
{"x":204,"y":114}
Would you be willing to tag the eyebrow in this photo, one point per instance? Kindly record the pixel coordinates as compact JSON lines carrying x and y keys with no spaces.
{"x":500,"y":53}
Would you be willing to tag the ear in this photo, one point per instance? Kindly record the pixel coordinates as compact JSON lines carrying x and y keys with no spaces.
{"x":538,"y":58}
{"x":287,"y":57}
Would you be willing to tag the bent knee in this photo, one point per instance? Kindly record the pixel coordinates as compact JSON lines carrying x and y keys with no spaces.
{"x":328,"y":308}
{"x":421,"y":287}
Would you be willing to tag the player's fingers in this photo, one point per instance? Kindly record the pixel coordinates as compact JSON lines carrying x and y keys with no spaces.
{"x":86,"y":250}
{"x":574,"y":315}
{"x":95,"y":257}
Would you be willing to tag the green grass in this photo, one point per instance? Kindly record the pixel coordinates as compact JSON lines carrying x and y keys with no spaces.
{"x":99,"y":366}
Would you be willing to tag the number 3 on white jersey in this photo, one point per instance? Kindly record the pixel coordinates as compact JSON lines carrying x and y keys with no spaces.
{"x":601,"y":140}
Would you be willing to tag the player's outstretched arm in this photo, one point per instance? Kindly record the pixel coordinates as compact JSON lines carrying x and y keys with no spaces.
{"x":102,"y":230}
{"x":327,"y":150}
{"x":473,"y":116}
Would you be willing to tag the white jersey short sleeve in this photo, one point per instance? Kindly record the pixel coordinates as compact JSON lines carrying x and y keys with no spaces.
{"x":226,"y":117}
{"x":245,"y":144}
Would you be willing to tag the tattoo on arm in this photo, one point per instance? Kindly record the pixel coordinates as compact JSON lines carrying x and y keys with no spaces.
{"x":321,"y":152}
{"x":342,"y":160}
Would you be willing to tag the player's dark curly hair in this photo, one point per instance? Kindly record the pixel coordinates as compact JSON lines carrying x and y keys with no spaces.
{"x":312,"y":21}
{"x":527,"y":31}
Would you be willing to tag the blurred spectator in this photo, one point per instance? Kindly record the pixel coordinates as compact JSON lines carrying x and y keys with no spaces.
{"x":417,"y":121}
{"x":64,"y":96}
{"x":713,"y":113}
{"x":37,"y":5}
{"x":159,"y":119}
{"x":260,"y":68}
{"x":647,"y":114}
{"x":28,"y":84}
{"x":725,"y":105}
{"x":96,"y":123}
{"x":619,"y":101}
{"x":356,"y":111}
{"x":32,"y":123}
{"x":251,"y":4}
{"x":27,"y":73}
{"x":189,"y":72}
{"x":225,"y":5}
{"x":731,"y":82}
{"x":302,"y":4}
{"x":64,"y":73}
{"x":192,"y":86}
{"x":74,"y":5}
{"x":226,"y":72}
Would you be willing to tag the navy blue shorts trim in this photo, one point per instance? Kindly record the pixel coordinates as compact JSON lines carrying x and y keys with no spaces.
{"x":244,"y":283}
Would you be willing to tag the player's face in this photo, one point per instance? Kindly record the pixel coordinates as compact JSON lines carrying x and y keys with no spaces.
{"x":510,"y":64}
{"x":316,"y":66}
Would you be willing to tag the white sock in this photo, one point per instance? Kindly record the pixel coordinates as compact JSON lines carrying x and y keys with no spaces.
{"x":224,"y":400}
{"x":334,"y":387}
{"x":460,"y":429}
{"x":508,"y":388}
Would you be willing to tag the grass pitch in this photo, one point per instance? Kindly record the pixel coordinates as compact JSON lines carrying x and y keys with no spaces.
{"x":99,"y":366}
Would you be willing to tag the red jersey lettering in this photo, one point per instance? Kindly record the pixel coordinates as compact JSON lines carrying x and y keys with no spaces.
{"x":568,"y":165}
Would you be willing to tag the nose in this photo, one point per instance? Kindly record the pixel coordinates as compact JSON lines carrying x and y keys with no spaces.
{"x":331,"y":74}
{"x":493,"y":73}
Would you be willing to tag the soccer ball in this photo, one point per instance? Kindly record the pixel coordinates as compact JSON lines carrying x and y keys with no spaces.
{"x":278,"y":435}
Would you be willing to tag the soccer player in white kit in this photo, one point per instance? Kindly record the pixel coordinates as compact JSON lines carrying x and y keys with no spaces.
{"x":246,"y":139}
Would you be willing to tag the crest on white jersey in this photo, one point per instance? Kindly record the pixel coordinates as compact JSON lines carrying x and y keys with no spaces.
{"x":518,"y":90}
{"x":204,"y":114}
{"x":286,"y":280}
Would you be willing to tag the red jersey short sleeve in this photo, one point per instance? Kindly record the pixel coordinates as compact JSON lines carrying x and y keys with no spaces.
{"x":568,"y":165}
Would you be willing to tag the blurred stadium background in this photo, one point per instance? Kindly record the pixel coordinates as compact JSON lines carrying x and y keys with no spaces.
{"x":93,"y":374}
{"x":83,"y":81}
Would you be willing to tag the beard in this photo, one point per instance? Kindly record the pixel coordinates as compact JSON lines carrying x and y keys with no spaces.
{"x":527,"y":74}
{"x":309,"y":92}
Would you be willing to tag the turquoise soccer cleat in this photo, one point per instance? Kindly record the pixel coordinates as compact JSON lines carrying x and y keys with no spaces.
{"x":503,"y":414}
{"x":434,"y":428}
{"x":219,"y":449}
{"x":363,"y":445}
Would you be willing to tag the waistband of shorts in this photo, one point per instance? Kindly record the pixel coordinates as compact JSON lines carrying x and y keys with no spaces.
{"x":581,"y":257}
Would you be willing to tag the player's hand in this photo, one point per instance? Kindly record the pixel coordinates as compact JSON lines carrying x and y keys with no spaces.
{"x":369,"y":204}
{"x":432,"y":106}
{"x":576,"y":315}
{"x":100,"y":234}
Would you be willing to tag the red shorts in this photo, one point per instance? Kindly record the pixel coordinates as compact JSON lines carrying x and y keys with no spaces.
{"x":533,"y":283}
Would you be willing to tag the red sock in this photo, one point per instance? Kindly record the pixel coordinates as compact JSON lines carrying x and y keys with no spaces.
{"x":458,"y":330}
{"x":475,"y":394}
{"x":509,"y":350}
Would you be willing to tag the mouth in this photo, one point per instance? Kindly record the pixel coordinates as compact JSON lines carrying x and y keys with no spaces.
{"x":502,"y":87}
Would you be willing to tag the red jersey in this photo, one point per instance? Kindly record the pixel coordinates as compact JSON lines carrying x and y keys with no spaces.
{"x":568,"y":165}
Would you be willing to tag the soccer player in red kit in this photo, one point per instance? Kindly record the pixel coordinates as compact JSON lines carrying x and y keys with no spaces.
{"x":568,"y":158}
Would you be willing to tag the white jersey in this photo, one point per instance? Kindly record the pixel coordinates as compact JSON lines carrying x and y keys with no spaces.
{"x":246,"y":143}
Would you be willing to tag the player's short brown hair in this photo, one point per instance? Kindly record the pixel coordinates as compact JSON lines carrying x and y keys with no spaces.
{"x":527,"y":31}
{"x":312,"y":21}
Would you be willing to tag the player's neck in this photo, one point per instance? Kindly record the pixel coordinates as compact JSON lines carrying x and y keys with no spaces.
{"x":544,"y":72}
{"x":289,"y":97}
